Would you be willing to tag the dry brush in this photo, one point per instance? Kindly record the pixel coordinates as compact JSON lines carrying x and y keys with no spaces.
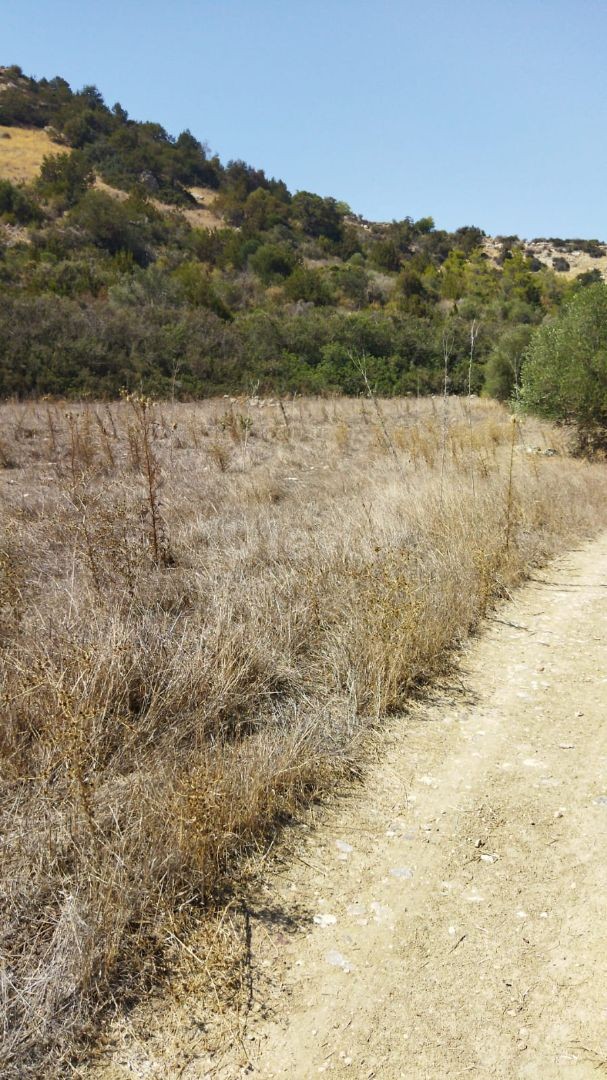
{"x":201,"y":609}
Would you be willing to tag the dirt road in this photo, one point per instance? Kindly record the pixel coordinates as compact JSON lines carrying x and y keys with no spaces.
{"x":449,"y":917}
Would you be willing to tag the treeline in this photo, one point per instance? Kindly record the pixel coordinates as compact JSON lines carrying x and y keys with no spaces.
{"x":102,"y":290}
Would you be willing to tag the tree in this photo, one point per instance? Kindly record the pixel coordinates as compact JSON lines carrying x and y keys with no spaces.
{"x":317,"y":216}
{"x":262,"y":211}
{"x":518,"y":279}
{"x":503,"y":369}
{"x":65,"y":177}
{"x":453,"y":280}
{"x":308,"y":285}
{"x":565,"y":372}
{"x":272,"y":262}
{"x":468,"y":238}
{"x":110,"y":225}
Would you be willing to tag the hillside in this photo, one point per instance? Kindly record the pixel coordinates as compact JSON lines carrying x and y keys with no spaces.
{"x":22,"y":151}
{"x":132,"y":258}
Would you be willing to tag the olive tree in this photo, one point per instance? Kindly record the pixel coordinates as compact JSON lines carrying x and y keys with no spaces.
{"x":565,"y":371}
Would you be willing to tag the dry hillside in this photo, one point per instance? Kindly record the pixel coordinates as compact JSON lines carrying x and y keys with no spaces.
{"x":22,"y":151}
{"x":550,"y":253}
{"x":201,"y":216}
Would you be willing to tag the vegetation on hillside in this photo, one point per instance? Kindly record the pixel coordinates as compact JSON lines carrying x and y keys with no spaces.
{"x":105,"y":289}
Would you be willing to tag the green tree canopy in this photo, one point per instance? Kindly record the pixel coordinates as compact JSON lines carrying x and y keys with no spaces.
{"x":565,"y":373}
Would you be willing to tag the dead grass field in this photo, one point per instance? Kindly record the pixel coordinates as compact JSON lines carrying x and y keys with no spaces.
{"x":22,"y":152}
{"x":202,"y":608}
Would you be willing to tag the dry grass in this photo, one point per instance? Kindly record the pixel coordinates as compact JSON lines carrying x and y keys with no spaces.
{"x":200,"y":217}
{"x":21,"y":153}
{"x":201,"y":608}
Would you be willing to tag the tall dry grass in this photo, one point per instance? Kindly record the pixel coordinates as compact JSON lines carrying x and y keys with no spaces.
{"x":201,"y":607}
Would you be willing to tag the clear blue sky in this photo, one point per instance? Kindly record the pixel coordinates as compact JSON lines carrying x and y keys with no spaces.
{"x":485,"y":112}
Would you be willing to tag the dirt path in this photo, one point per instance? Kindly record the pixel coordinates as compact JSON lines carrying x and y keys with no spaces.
{"x":448,"y":918}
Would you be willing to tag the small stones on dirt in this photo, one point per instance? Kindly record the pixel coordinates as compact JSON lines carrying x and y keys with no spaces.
{"x":397,"y":828}
{"x":601,"y":800}
{"x":403,"y":872}
{"x":381,"y":912}
{"x":325,"y":919}
{"x":337,"y":959}
{"x":566,"y":746}
{"x":344,"y":850}
{"x":489,"y":858}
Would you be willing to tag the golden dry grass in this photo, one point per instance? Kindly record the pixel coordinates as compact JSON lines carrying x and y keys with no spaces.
{"x":22,"y":151}
{"x":200,"y":217}
{"x":202,"y":607}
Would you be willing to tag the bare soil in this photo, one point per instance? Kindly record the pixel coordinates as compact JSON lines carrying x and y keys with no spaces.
{"x":447,"y":917}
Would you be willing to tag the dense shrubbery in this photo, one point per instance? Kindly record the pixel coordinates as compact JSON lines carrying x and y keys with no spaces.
{"x":106,"y":289}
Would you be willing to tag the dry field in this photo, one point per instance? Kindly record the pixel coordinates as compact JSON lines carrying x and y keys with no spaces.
{"x":202,"y":608}
{"x":21,"y":153}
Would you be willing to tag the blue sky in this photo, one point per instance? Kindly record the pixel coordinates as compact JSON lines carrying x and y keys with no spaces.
{"x":490,"y":113}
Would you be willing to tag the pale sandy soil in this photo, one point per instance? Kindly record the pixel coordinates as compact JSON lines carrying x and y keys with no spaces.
{"x":579,"y":261}
{"x":446,"y":917}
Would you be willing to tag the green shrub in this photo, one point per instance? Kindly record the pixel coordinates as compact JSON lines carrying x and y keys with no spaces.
{"x":565,"y":373}
{"x":273,"y":262}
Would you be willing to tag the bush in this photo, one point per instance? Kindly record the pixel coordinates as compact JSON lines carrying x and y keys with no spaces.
{"x":317,"y":216}
{"x":16,"y":206}
{"x":110,"y":226}
{"x":502,"y":373}
{"x":565,"y":374}
{"x":308,"y":285}
{"x":272,"y":262}
{"x":65,"y":177}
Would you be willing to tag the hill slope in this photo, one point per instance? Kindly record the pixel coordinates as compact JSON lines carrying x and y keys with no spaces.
{"x":22,"y":151}
{"x":132,"y":258}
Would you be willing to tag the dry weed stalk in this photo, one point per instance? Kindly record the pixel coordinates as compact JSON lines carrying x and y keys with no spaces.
{"x":360,"y":363}
{"x":147,"y":458}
